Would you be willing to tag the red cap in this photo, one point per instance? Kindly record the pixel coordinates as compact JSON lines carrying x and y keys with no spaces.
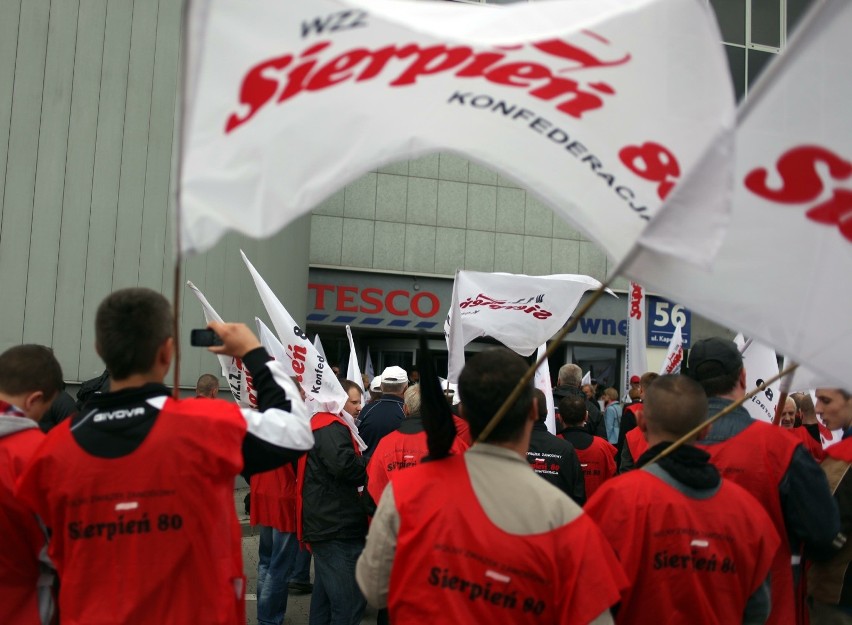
{"x":635,"y":379}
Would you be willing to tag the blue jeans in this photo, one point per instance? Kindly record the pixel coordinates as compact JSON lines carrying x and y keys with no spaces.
{"x":276,"y":560}
{"x":302,"y":574}
{"x":336,"y":599}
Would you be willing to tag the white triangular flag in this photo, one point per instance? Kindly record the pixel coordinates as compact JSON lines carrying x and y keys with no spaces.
{"x":674,"y":355}
{"x":368,"y":367}
{"x":353,"y":370}
{"x":542,"y":382}
{"x":239,"y":379}
{"x":318,"y":345}
{"x":587,"y":379}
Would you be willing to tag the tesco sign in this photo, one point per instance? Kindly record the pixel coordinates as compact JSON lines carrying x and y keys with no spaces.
{"x":373,"y":300}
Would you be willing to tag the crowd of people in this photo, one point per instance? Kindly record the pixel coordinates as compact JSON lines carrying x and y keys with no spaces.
{"x":632,"y":512}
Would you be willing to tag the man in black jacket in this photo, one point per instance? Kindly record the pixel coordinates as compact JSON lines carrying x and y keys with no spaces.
{"x":334,"y":520}
{"x":568,"y":384}
{"x":554,"y":459}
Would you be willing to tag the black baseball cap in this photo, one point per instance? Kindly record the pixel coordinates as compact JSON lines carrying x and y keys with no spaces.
{"x":713,"y":357}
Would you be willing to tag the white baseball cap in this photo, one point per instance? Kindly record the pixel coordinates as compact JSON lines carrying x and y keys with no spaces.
{"x":394,"y":375}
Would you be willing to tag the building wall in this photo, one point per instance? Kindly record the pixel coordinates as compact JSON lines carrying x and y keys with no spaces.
{"x":87,"y":118}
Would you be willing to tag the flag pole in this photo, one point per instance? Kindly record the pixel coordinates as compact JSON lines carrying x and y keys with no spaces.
{"x":728,"y":409}
{"x":782,"y":398}
{"x":530,"y":373}
{"x":184,"y":66}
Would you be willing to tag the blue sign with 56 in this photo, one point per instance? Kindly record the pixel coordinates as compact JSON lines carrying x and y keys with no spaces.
{"x":663,"y":317}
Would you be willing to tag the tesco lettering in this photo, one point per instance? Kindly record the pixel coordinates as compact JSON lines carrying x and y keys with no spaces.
{"x":374,"y":301}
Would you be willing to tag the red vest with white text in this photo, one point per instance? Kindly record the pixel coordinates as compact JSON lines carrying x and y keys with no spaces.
{"x":453,"y":565}
{"x":597,"y":462}
{"x":21,"y":538}
{"x":395,"y":452}
{"x":693,"y":561}
{"x":151,"y":537}
{"x":757,"y":459}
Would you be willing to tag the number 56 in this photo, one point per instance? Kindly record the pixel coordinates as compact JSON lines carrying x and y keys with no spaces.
{"x":662,"y":315}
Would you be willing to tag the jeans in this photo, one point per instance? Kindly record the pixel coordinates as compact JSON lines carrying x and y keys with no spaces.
{"x":276,"y":561}
{"x":336,"y":599}
{"x":302,"y":572}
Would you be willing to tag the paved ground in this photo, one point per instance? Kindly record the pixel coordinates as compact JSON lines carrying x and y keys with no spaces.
{"x":298,"y":606}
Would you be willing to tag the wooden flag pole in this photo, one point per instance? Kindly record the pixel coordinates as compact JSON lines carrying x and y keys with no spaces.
{"x":729,"y":409}
{"x":530,"y":373}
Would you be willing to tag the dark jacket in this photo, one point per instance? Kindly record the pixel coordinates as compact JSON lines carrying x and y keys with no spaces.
{"x":595,"y":423}
{"x":378,"y":419}
{"x":331,"y":504}
{"x":556,"y":461}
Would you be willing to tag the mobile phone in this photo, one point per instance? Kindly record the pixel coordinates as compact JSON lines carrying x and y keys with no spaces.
{"x":204,"y":338}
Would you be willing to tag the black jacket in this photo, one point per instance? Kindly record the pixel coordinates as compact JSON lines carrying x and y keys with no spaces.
{"x":378,"y":419}
{"x":331,"y":504}
{"x":595,"y":423}
{"x":556,"y":461}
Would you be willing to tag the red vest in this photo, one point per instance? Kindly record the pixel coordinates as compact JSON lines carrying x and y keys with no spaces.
{"x":453,"y":565}
{"x":690,"y":560}
{"x":802,"y":435}
{"x":636,"y":443}
{"x":597,"y":462}
{"x":318,"y":421}
{"x":273,"y":499}
{"x":21,"y":538}
{"x":462,"y":430}
{"x":757,"y":459}
{"x":397,"y":451}
{"x":151,"y":537}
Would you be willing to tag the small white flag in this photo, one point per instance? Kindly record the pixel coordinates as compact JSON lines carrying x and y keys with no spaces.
{"x":368,"y":367}
{"x":674,"y":356}
{"x":318,"y":345}
{"x":353,"y":370}
{"x":587,"y":379}
{"x":542,"y":383}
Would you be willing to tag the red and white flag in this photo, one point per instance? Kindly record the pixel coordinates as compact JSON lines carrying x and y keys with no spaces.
{"x":522,"y":312}
{"x":239,"y":379}
{"x":589,"y":103}
{"x":674,"y":356}
{"x":636,"y":356}
{"x":782,"y":274}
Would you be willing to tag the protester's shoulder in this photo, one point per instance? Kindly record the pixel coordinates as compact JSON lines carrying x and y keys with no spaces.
{"x":209,"y":409}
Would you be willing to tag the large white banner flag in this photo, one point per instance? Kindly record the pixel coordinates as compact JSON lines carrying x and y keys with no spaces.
{"x":520,"y":311}
{"x":239,"y":379}
{"x":543,"y":383}
{"x":589,"y":103}
{"x":674,"y":355}
{"x":636,"y":357}
{"x":783,"y":273}
{"x":322,"y":389}
{"x":760,"y":364}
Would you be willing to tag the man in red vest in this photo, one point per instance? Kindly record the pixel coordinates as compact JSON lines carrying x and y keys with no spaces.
{"x":30,"y":378}
{"x":479,"y":538}
{"x":696,"y":548}
{"x":403,"y":448}
{"x":626,"y":459}
{"x":138,"y":487}
{"x":771,"y":465}
{"x":596,"y":455}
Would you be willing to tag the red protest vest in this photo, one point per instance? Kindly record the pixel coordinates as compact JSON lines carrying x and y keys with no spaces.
{"x":636,"y":443}
{"x":453,"y":565}
{"x":21,"y":538}
{"x":318,"y":421}
{"x":841,"y":451}
{"x":757,"y":459}
{"x":462,"y":430}
{"x":151,"y":537}
{"x":397,"y":451}
{"x":693,"y":561}
{"x":802,"y":435}
{"x":273,"y":499}
{"x":597,"y":462}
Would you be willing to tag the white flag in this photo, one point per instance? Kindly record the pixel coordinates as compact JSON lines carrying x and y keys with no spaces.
{"x":782,"y":274}
{"x":272,"y":345}
{"x":322,"y":389}
{"x":587,"y":102}
{"x":587,"y":379}
{"x":674,"y":355}
{"x":522,"y":312}
{"x":542,"y":383}
{"x":233,"y":369}
{"x":353,"y":370}
{"x":760,"y":364}
{"x":636,"y":357}
{"x":318,"y":345}
{"x":368,"y":367}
